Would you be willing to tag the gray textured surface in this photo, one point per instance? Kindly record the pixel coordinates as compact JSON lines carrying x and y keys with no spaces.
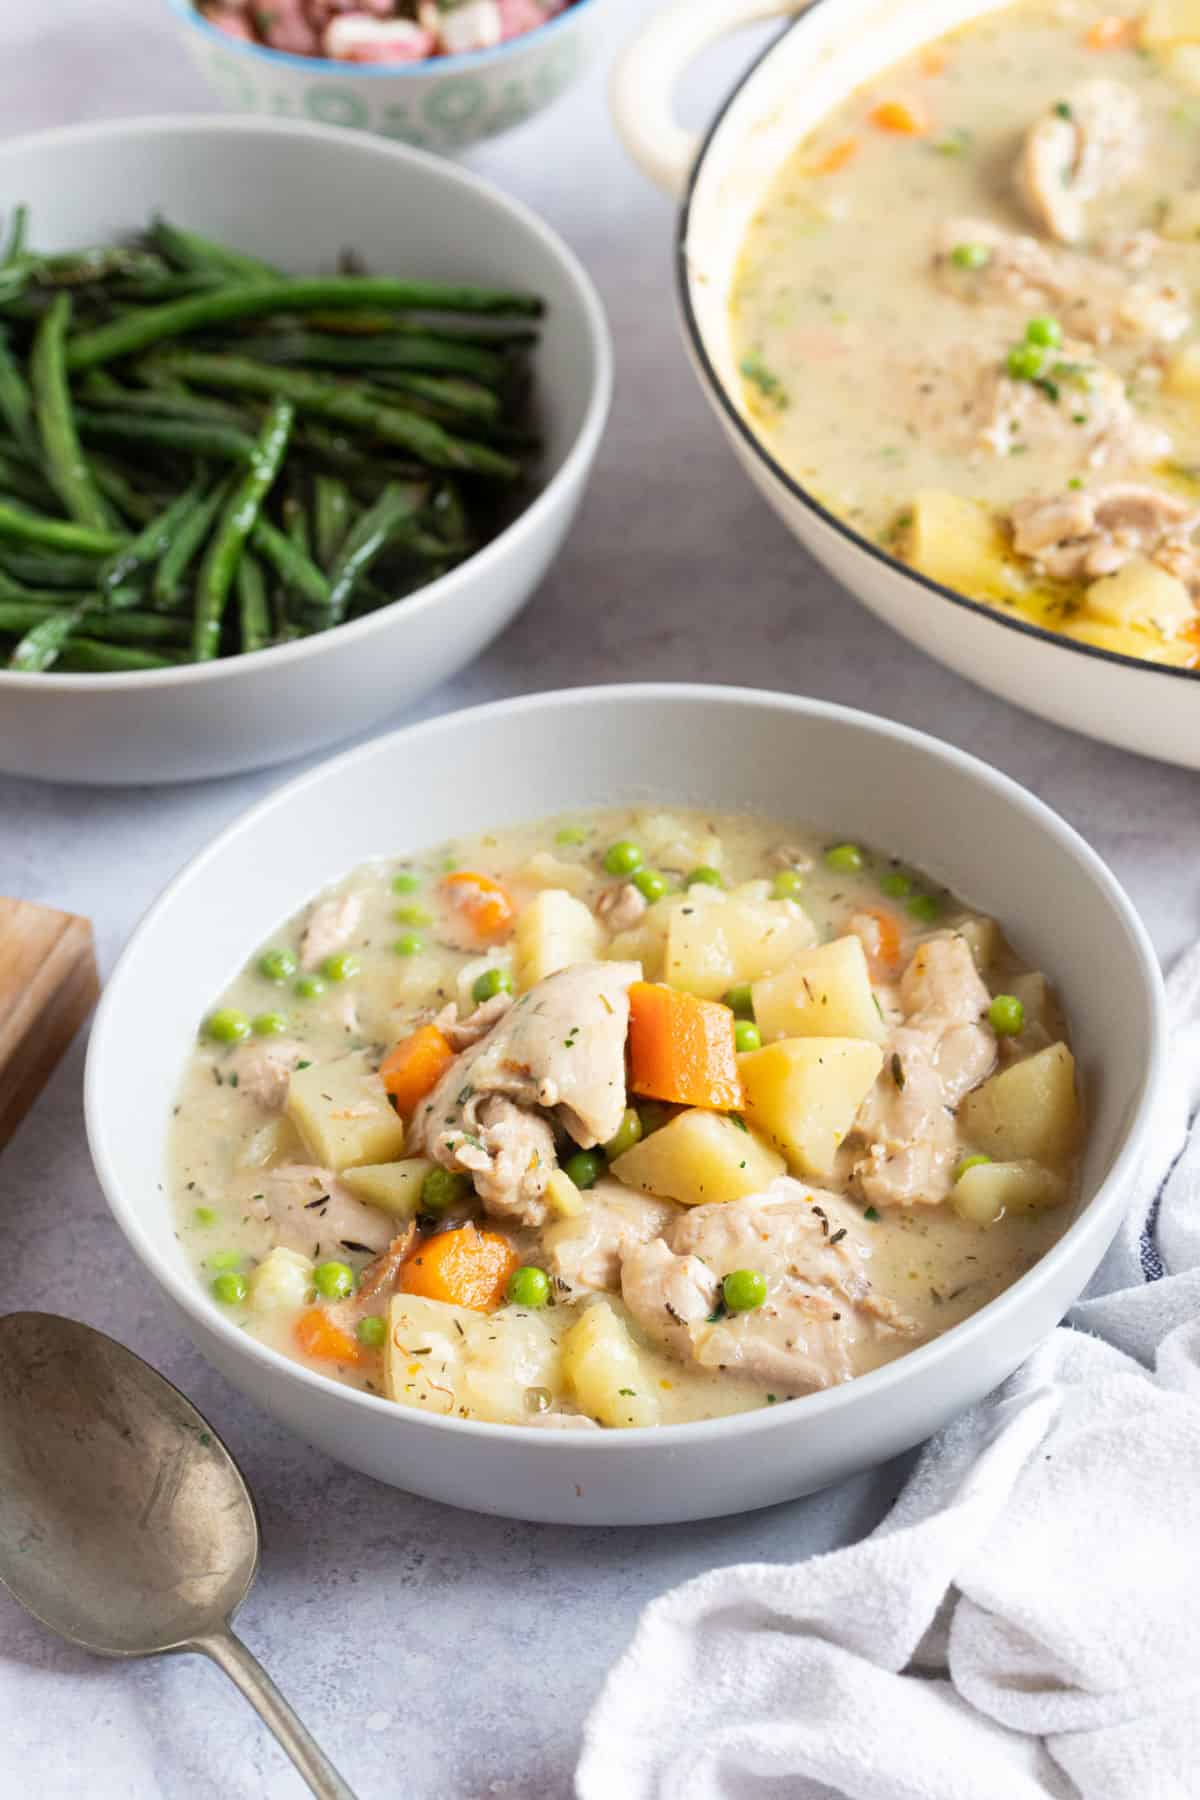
{"x":442,"y":1656}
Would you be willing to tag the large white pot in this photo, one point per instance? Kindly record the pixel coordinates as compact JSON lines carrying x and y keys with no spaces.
{"x":841,"y":772}
{"x":831,"y":48}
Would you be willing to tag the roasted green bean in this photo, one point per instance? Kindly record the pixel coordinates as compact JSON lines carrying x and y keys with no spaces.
{"x":236,"y":523}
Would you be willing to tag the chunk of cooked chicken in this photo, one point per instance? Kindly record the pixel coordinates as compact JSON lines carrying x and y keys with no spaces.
{"x":560,"y":1048}
{"x":1088,"y":143}
{"x":461,"y":1034}
{"x":620,"y":908}
{"x":1081,"y":534}
{"x":263,"y":1069}
{"x":964,"y":401}
{"x":820,"y":1304}
{"x":330,"y":927}
{"x":308,"y":1209}
{"x":941,"y":1050}
{"x":1092,"y":300}
{"x":585,"y":1252}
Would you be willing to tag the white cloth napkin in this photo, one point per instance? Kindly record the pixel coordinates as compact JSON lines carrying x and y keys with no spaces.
{"x":1026,"y":1621}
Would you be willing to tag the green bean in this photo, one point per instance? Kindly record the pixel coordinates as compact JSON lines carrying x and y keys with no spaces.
{"x":236,"y":524}
{"x":400,"y":351}
{"x":109,"y":627}
{"x":190,"y":534}
{"x":449,"y":398}
{"x":49,"y":569}
{"x":18,"y":231}
{"x":116,"y":486}
{"x":153,"y":290}
{"x":491,"y":333}
{"x":23,"y":484}
{"x":80,"y":268}
{"x":188,"y":251}
{"x":39,"y":648}
{"x":99,"y":389}
{"x":15,"y":404}
{"x":85,"y":656}
{"x":449,"y":515}
{"x":190,"y":437}
{"x":398,"y":502}
{"x":294,"y":568}
{"x":126,"y":336}
{"x":341,"y":453}
{"x":332,"y":512}
{"x":152,"y":541}
{"x":56,"y":534}
{"x":347,"y":406}
{"x":252,"y":604}
{"x":295,"y":520}
{"x":65,"y":463}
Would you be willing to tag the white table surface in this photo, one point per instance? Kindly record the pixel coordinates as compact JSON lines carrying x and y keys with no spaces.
{"x":441,"y":1655}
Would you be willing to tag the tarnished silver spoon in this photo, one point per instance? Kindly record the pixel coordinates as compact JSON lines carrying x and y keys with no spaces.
{"x":125,"y":1524}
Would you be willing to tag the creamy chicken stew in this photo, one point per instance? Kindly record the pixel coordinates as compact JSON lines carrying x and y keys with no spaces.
{"x":966,"y":318}
{"x":624,"y":1119}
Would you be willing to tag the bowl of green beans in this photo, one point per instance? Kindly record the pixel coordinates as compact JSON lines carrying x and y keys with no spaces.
{"x":291,"y":425}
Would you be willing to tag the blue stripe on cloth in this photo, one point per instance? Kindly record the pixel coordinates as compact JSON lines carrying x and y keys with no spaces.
{"x":1149,"y":1254}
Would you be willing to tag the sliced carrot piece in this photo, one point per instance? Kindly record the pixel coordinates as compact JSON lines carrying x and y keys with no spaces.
{"x":319,"y":1335}
{"x":414,"y":1068}
{"x":466,"y":1267}
{"x":836,"y":157}
{"x":486,"y":906}
{"x":682,"y":1049}
{"x":1113,"y":33}
{"x":900,"y":117}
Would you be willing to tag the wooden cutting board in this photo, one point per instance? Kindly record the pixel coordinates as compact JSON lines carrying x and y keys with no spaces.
{"x":48,"y":986}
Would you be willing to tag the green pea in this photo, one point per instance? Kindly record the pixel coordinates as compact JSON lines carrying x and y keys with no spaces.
{"x":1006,"y":1016}
{"x":528,"y":1286}
{"x":333,"y":1280}
{"x":1024,"y":362}
{"x":787,"y":884}
{"x":1045,"y":332}
{"x":741,"y":1000}
{"x":309,"y":987}
{"x":704,"y":877}
{"x":844,"y":859}
{"x":489,"y":984}
{"x":896,"y":886}
{"x":442,"y":1189}
{"x":413,"y":915}
{"x":650,"y":884}
{"x":743,"y":1290}
{"x":371,"y":1332}
{"x":411,"y":944}
{"x":570,"y":834}
{"x":204,"y":1215}
{"x":970,"y":1162}
{"x":628,"y":1133}
{"x":925,"y":908}
{"x":270,"y":1024}
{"x":341,"y":966}
{"x":230,"y":1289}
{"x":405,"y":882}
{"x":228,"y":1026}
{"x":970,"y":256}
{"x":622,"y":858}
{"x":585,"y":1167}
{"x":746,"y":1036}
{"x":224,"y":1259}
{"x":277,"y":965}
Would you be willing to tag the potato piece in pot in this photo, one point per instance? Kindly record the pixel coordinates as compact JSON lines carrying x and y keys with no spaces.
{"x":1030,"y":1110}
{"x":698,"y":1157}
{"x":823,"y":992}
{"x":803,"y":1094}
{"x":343,"y":1114}
{"x":605,"y":1371}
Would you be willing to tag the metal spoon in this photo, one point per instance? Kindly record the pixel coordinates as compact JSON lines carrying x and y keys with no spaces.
{"x":125,"y":1524}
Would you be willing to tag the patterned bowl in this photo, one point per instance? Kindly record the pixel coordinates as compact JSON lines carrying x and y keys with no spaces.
{"x":443,"y":104}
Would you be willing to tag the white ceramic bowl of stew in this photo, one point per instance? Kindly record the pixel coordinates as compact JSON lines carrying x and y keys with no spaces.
{"x":835,"y":771}
{"x":722,"y":178}
{"x":298,"y":195}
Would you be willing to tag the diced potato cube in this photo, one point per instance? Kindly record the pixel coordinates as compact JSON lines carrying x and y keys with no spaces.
{"x":554,"y":931}
{"x":449,"y":1360}
{"x":1029,"y":1110}
{"x":547,"y":871}
{"x":281,"y":1281}
{"x":983,"y":938}
{"x":1132,"y":640}
{"x":645,"y":943}
{"x":343,"y":1114}
{"x":959,"y":543}
{"x":1140,"y":593}
{"x":803,"y":1094}
{"x":563,"y":1197}
{"x":1170,"y":22}
{"x":823,"y":992}
{"x":984,"y":1194}
{"x":678,"y":843}
{"x":1181,"y":212}
{"x":605,"y":1372}
{"x":394,"y":1187}
{"x":699,"y":1157}
{"x":1037,"y":998}
{"x":712,"y":947}
{"x":1182,"y":373}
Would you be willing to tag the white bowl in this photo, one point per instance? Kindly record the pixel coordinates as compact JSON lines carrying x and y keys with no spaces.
{"x":443,"y":105}
{"x":825,"y":55}
{"x":297,"y":195}
{"x":840,"y":772}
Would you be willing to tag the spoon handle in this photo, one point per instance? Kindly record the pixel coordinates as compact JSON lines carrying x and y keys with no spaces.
{"x":246,"y":1672}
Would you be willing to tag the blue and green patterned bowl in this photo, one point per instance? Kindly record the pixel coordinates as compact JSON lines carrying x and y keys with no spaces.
{"x":443,"y":105}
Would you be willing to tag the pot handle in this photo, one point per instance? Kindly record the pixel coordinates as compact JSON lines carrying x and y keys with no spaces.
{"x":648,"y":71}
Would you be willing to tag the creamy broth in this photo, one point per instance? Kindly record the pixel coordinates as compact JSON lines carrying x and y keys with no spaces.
{"x":395,"y":936}
{"x":908,"y":249}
